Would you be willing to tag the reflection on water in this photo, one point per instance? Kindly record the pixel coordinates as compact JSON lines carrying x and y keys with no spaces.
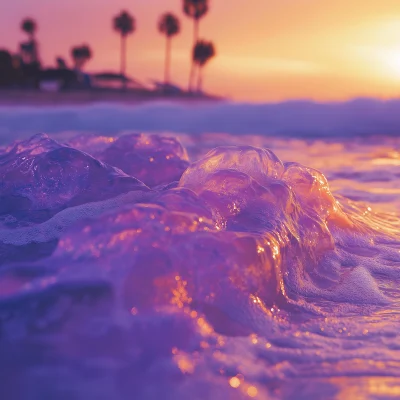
{"x":370,"y":387}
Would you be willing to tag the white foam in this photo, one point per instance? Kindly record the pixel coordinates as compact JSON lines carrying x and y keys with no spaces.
{"x":55,"y":226}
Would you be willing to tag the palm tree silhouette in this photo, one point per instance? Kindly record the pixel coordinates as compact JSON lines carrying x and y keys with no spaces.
{"x":61,"y":63}
{"x":195,"y":9}
{"x":80,"y":55}
{"x":28,"y":25}
{"x":169,"y":26}
{"x":202,"y":53}
{"x":124,"y":24}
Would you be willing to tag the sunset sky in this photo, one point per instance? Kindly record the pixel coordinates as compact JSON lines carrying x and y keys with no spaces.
{"x":267,"y":49}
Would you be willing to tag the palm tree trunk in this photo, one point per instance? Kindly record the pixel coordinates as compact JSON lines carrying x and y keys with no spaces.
{"x":200,"y":79}
{"x":167,"y":61}
{"x":123,"y":60}
{"x":193,"y":67}
{"x":34,"y":54}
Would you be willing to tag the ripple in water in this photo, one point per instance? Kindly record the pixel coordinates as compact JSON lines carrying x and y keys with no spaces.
{"x":133,"y":273}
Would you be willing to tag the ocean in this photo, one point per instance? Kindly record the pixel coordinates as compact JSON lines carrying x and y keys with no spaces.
{"x":200,"y":251}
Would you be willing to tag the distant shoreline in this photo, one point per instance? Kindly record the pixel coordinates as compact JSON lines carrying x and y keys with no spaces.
{"x":20,"y":97}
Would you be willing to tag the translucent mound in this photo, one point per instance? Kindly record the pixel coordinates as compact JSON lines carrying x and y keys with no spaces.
{"x":243,"y":195}
{"x":155,"y":160}
{"x":259,"y":164}
{"x":263,"y":196}
{"x":41,"y":176}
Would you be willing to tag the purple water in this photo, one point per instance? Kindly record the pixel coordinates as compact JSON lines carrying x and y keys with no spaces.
{"x":202,"y":266}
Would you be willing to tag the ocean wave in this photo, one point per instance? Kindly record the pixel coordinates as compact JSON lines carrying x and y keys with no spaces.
{"x":360,"y":117}
{"x":132,"y":272}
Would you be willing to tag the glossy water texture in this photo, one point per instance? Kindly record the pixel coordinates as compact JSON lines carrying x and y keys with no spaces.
{"x":199,"y":267}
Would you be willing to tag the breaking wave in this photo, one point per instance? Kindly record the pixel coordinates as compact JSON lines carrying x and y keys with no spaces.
{"x":129,"y":272}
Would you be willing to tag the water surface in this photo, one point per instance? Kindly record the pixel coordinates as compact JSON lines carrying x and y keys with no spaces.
{"x":177,"y":266}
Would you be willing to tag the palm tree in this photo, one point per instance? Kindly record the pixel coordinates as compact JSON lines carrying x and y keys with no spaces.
{"x":195,"y":9}
{"x":61,"y":63}
{"x":80,"y":55}
{"x":124,"y":24}
{"x":202,"y":53}
{"x":28,"y":25}
{"x":169,"y":26}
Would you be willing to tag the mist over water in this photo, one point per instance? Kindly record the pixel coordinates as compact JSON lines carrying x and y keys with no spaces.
{"x":361,"y":117}
{"x":250,"y":253}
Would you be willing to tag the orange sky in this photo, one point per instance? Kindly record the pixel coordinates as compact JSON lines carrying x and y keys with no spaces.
{"x":267,"y":49}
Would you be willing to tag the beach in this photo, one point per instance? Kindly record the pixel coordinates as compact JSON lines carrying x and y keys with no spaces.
{"x":200,"y":200}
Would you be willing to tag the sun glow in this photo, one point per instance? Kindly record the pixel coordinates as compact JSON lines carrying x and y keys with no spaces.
{"x":377,"y":49}
{"x":384,"y":63}
{"x":391,"y":62}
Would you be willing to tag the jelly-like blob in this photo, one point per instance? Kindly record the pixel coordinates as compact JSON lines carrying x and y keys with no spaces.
{"x":260,"y":164}
{"x":41,"y":176}
{"x":155,"y":160}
